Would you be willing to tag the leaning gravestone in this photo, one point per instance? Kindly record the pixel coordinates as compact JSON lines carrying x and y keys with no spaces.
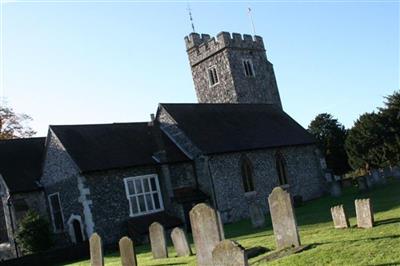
{"x":365,"y":216}
{"x":335,"y":189}
{"x":207,"y":232}
{"x":362,"y":183}
{"x":256,"y":215}
{"x":370,"y":181}
{"x":128,"y":256}
{"x":283,"y":219}
{"x":339,"y":217}
{"x":229,"y":253}
{"x":376,"y":176}
{"x":158,"y":241}
{"x":180,"y":242}
{"x":96,"y":250}
{"x":396,"y":172}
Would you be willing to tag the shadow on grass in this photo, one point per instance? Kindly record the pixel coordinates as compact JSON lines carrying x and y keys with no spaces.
{"x":318,"y":211}
{"x":355,"y":240}
{"x":387,"y":221}
{"x":386,"y":264}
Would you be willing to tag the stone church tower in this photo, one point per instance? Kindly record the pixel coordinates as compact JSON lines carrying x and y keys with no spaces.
{"x":231,"y":69}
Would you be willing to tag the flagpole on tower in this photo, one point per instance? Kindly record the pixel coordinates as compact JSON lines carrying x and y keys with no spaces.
{"x":191,"y":17}
{"x":251,"y":20}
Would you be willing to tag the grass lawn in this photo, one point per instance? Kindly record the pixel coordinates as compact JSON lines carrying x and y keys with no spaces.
{"x":377,"y":246}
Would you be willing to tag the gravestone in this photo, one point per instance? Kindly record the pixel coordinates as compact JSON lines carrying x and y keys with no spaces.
{"x":339,"y":217}
{"x":158,"y":241}
{"x":229,"y":253}
{"x":128,"y":256}
{"x":383,"y":177}
{"x":387,"y":172}
{"x":207,"y":232}
{"x":96,"y":250}
{"x":365,"y":216}
{"x":283,"y":219}
{"x":335,"y":189}
{"x":328,"y":177}
{"x":370,"y":181}
{"x":257,"y":216}
{"x":396,"y":172}
{"x":180,"y":242}
{"x":362,"y":183}
{"x":376,"y":176}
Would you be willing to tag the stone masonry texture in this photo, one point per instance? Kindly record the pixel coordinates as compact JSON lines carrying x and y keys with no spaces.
{"x":304,"y":176}
{"x":226,"y":53}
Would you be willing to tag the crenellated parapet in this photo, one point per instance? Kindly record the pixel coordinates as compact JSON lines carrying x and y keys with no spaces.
{"x":200,"y":47}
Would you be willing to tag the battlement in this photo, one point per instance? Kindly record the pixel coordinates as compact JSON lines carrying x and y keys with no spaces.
{"x":201,"y":46}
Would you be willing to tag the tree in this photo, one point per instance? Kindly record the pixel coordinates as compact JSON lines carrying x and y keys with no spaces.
{"x":390,"y":117}
{"x":34,"y":233}
{"x":374,"y":140}
{"x":365,"y":142}
{"x":331,"y":136}
{"x":14,"y":125}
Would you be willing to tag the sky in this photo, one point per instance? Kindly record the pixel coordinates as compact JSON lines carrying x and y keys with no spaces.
{"x":82,"y":62}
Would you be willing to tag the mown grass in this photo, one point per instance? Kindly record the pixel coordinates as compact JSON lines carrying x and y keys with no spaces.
{"x":328,"y":246}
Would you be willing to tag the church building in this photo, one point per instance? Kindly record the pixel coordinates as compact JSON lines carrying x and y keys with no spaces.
{"x":230,"y":149}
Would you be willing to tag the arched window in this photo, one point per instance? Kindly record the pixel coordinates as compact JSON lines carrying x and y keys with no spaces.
{"x":247,"y":174}
{"x":281,"y":168}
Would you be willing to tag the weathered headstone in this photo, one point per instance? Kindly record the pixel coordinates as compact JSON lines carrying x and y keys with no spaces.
{"x":207,"y":232}
{"x":339,"y":217}
{"x":158,"y":241}
{"x":229,"y":253}
{"x":328,"y":177}
{"x":387,"y":172}
{"x":335,"y":189}
{"x":370,"y":181}
{"x":396,"y":172}
{"x":365,"y":216}
{"x":362,"y":183}
{"x":180,"y":242}
{"x":96,"y":250}
{"x":283,"y":219}
{"x":257,"y":216}
{"x":376,"y":176}
{"x":128,"y":256}
{"x":347,"y":182}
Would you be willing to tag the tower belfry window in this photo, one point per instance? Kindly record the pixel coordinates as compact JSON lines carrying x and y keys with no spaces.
{"x":248,"y":68}
{"x":213,"y":76}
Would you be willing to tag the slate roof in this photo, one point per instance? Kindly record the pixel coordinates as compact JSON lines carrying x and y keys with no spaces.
{"x":220,"y":128}
{"x":21,"y":163}
{"x":110,"y":146}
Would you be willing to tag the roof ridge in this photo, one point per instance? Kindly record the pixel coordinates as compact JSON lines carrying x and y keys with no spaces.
{"x":102,"y":124}
{"x":21,"y":139}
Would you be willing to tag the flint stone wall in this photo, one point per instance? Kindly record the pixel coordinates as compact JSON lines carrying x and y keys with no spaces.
{"x":304,"y":175}
{"x":110,"y":206}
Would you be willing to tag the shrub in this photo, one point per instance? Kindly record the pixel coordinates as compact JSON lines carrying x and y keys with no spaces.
{"x":33,"y":233}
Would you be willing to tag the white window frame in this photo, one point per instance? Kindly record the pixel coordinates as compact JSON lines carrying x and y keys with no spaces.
{"x":250,"y":62}
{"x":211,"y":68}
{"x":52,"y":213}
{"x":128,"y":196}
